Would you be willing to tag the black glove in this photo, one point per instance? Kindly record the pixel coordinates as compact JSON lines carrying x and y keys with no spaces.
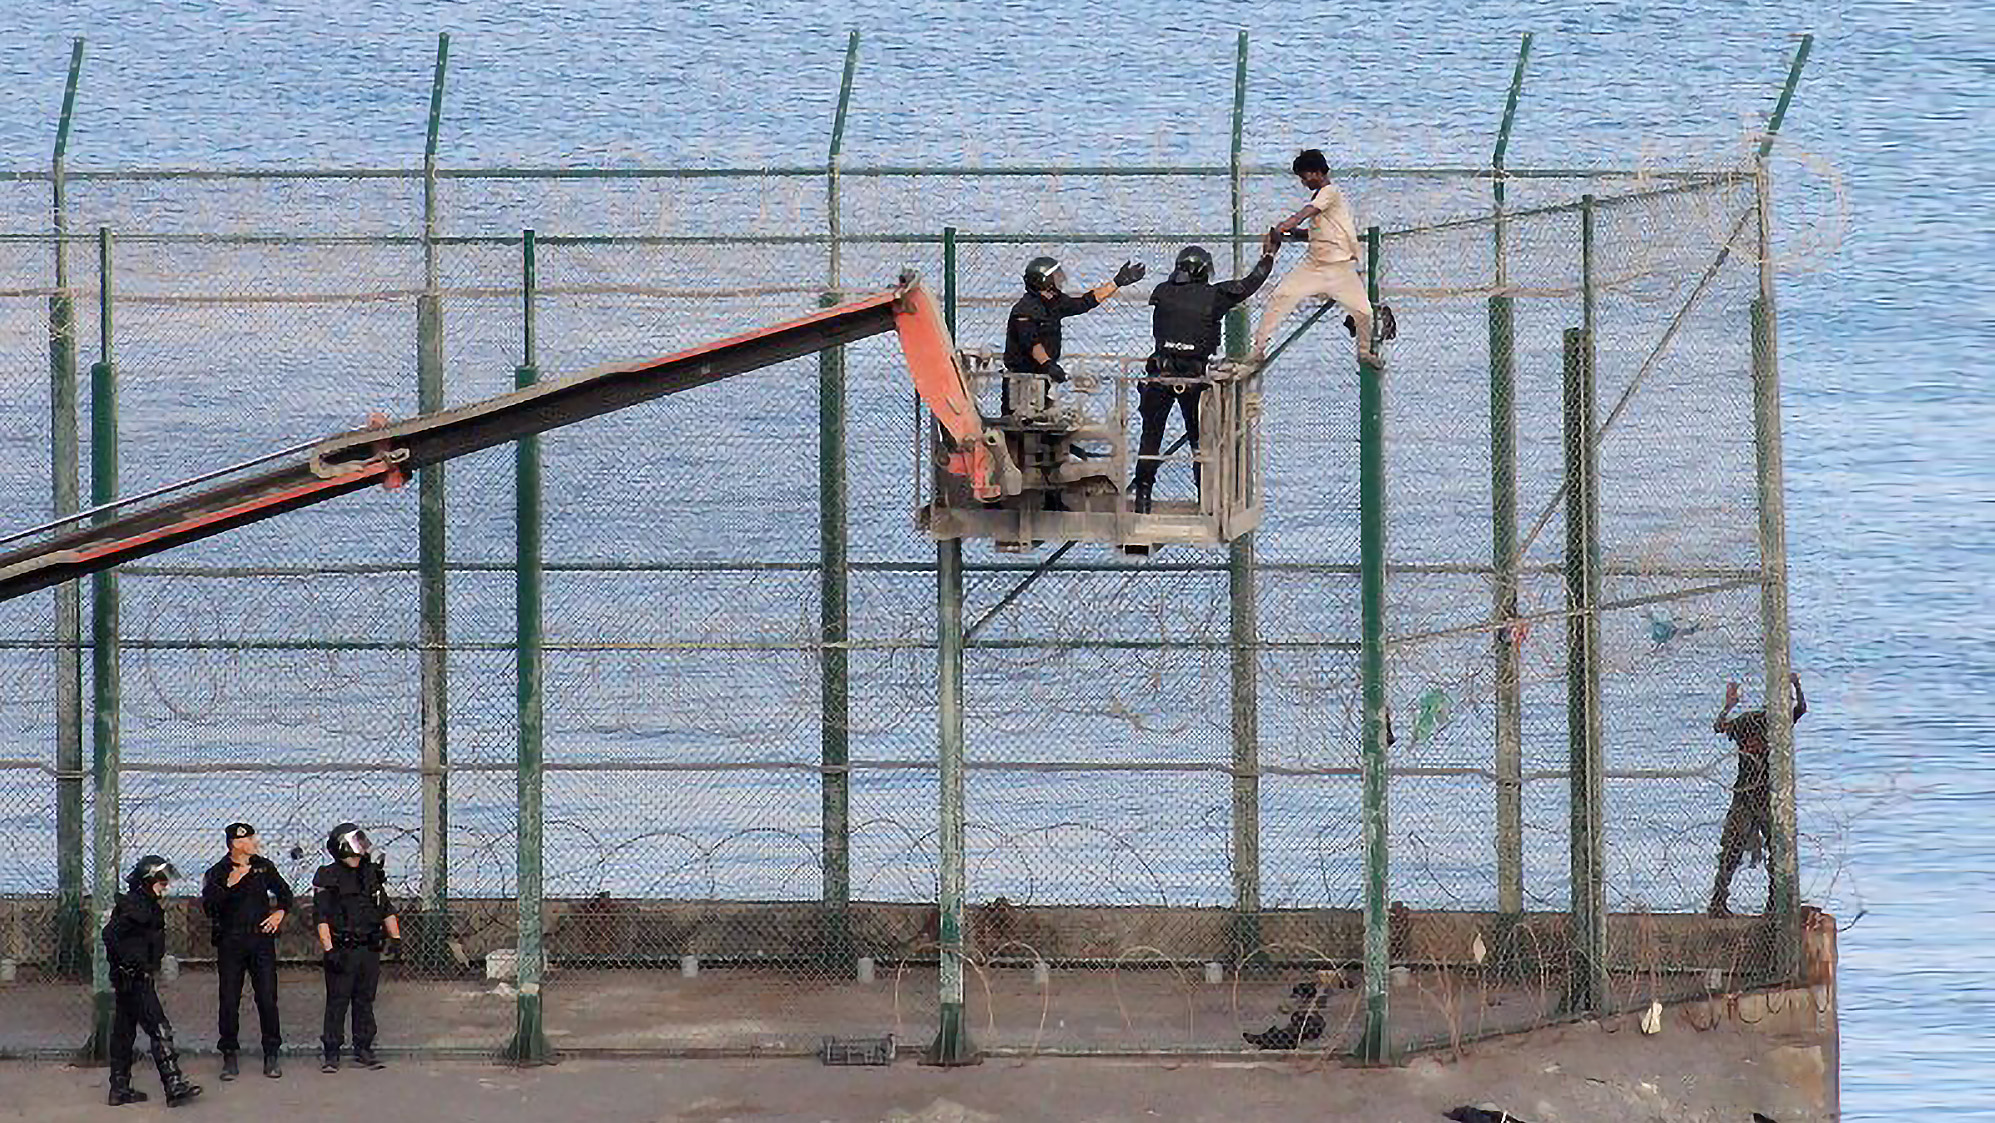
{"x":1056,"y":372}
{"x":1130,"y":273}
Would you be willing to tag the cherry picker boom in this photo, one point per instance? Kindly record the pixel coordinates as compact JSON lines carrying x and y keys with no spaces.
{"x":385,"y":453}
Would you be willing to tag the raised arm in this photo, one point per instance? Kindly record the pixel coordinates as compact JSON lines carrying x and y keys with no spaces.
{"x":1723,"y":723}
{"x":1240,"y":288}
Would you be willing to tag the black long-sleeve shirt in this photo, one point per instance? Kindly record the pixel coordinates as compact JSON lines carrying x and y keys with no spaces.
{"x":1189,"y":313}
{"x":135,"y":938}
{"x":239,"y":909}
{"x":1035,"y":319}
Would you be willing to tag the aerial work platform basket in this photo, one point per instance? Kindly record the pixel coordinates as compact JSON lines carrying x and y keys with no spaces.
{"x":1070,"y":451}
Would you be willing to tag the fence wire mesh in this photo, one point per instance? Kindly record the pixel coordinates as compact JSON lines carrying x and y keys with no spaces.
{"x":739,"y":847}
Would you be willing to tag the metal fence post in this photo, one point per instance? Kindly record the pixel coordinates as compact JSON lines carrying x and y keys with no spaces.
{"x":1503,"y":530}
{"x":952,"y":1045}
{"x":529,"y":1044}
{"x":1784,"y":867}
{"x":106,"y":700}
{"x":429,"y":938}
{"x":1588,"y":984}
{"x":833,"y":578}
{"x":1240,"y":588}
{"x":1374,"y":1044}
{"x":72,"y":923}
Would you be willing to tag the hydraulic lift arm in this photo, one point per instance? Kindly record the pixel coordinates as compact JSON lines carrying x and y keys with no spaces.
{"x":386,"y":453}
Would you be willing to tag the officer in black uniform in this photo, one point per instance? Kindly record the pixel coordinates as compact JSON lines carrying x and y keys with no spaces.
{"x":1032,"y":333}
{"x":246,"y":900}
{"x":356,"y":920}
{"x":134,"y":945}
{"x":1189,"y":311}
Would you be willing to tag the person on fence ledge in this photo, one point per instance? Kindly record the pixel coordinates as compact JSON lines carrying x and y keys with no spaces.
{"x":1749,"y":822}
{"x":1189,"y":310}
{"x":1330,"y":269}
{"x":1032,"y":332}
{"x":356,"y":920}
{"x":246,"y":900}
{"x":134,"y":945}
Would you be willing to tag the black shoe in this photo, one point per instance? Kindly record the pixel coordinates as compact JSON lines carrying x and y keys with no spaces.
{"x":330,"y":1063}
{"x":126,"y":1095}
{"x":271,"y":1068}
{"x":181,"y":1093}
{"x":231,"y":1068}
{"x":365,"y":1058}
{"x":1139,"y":498}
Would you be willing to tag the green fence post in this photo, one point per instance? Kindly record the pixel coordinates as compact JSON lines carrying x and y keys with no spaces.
{"x":529,"y":1044}
{"x":1374,"y":1045}
{"x":429,"y":935}
{"x":834,"y":628}
{"x":1503,"y":530}
{"x":1784,"y":866}
{"x":1588,"y":983}
{"x":952,"y":1045}
{"x":106,"y":700}
{"x":72,"y":921}
{"x":1243,"y":656}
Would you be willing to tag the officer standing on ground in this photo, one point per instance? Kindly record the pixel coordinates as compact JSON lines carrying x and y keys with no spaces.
{"x":1032,"y":333}
{"x":1189,"y":311}
{"x":246,"y":900}
{"x":134,"y":944}
{"x":356,"y":920}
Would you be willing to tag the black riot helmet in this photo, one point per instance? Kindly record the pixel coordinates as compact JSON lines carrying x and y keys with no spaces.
{"x":1043,"y":273}
{"x":1193,"y":264}
{"x":348,"y":841}
{"x":150,"y":869}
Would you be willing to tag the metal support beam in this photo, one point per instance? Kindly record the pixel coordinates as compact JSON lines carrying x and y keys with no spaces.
{"x":1017,"y":590}
{"x":952,"y":1045}
{"x":1374,"y":1043}
{"x":1503,"y":526}
{"x":1587,"y":981}
{"x":1779,"y":117}
{"x":1784,"y":867}
{"x":106,"y":698}
{"x":72,"y":922}
{"x":529,"y":1044}
{"x":1503,"y":641}
{"x":833,"y":581}
{"x":429,"y":934}
{"x":1243,"y":659}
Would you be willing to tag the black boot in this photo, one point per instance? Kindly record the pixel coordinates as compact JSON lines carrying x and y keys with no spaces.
{"x":365,"y":1058}
{"x":122,"y":1092}
{"x":231,"y":1065}
{"x":1139,"y":498}
{"x":270,"y":1066}
{"x":178,"y":1089}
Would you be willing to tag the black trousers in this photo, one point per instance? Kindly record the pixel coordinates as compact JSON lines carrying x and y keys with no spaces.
{"x":1749,"y":819}
{"x":136,"y":1007}
{"x":352,"y":976}
{"x":255,"y":955}
{"x":1153,"y":404}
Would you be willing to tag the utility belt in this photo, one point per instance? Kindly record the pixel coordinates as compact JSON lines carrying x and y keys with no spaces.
{"x":375,"y":942}
{"x":220,"y":936}
{"x":1179,"y":372}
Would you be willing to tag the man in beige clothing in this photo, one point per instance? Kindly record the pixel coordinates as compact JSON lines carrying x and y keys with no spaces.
{"x":1331,"y":267}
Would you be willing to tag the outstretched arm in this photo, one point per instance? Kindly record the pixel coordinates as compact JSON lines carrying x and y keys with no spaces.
{"x":1297,"y":219}
{"x":1723,"y":723}
{"x":1240,"y":288}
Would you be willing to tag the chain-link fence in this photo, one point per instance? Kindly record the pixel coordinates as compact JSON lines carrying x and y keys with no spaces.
{"x":721,"y":794}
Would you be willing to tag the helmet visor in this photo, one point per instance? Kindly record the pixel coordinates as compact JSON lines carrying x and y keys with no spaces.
{"x":1058,"y":279}
{"x":353,"y":841}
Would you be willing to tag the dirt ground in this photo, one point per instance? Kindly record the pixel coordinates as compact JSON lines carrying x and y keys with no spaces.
{"x":1578,"y":1074}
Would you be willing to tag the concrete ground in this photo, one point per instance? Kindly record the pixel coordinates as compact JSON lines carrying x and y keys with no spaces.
{"x":763,"y":1012}
{"x":1577,"y":1074}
